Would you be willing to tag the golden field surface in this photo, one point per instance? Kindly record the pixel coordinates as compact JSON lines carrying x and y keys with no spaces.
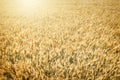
{"x":60,"y":40}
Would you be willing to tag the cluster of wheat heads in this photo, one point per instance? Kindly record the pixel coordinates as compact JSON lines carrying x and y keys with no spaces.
{"x":72,"y":40}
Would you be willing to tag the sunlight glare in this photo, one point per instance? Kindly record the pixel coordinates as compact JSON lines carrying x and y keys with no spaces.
{"x":30,"y":5}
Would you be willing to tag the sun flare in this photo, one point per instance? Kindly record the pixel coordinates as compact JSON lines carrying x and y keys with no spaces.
{"x":30,"y":5}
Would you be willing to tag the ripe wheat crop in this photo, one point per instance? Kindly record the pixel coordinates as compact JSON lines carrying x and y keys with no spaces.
{"x":62,"y":40}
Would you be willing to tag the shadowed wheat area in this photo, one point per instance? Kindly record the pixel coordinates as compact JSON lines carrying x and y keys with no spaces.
{"x":60,"y":40}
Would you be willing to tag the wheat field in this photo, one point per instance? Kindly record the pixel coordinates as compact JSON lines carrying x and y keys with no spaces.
{"x":60,"y":40}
